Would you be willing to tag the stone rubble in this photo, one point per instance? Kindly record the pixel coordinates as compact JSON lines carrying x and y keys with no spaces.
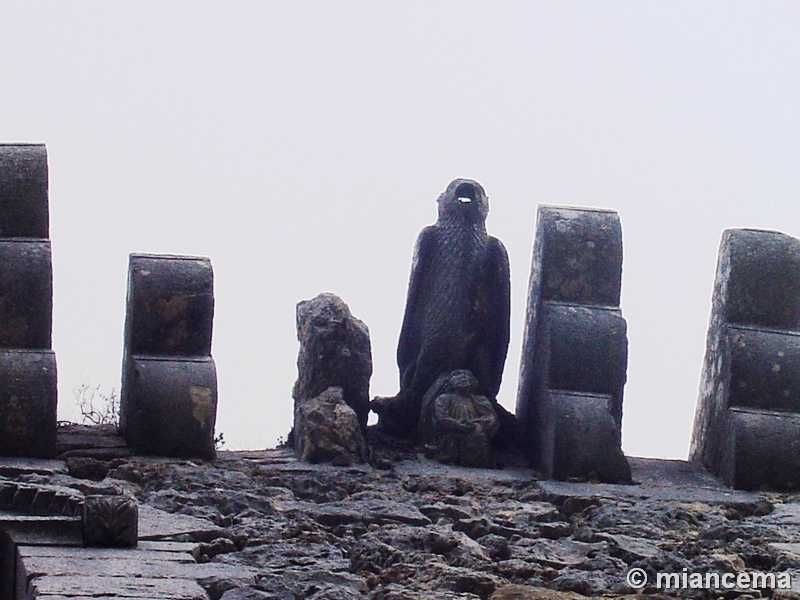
{"x":265,"y":526}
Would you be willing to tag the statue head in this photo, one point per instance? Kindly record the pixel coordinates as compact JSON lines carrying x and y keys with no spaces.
{"x":464,"y":199}
{"x":462,"y":380}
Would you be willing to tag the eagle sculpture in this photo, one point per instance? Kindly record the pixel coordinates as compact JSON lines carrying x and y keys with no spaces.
{"x":457,"y":309}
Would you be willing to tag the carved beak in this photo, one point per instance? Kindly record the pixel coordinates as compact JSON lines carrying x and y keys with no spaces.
{"x":465,"y":193}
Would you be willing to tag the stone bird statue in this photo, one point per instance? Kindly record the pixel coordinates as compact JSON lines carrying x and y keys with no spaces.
{"x":457,"y":309}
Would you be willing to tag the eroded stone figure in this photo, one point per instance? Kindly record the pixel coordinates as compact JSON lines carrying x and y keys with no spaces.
{"x":457,"y":309}
{"x":457,"y":423}
{"x":335,"y":351}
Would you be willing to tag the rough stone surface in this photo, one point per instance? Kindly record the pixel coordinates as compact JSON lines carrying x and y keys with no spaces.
{"x":264,"y":525}
{"x":327,"y":429}
{"x":87,"y":468}
{"x":745,"y":426}
{"x":575,"y":342}
{"x":335,"y":351}
{"x":457,"y":308}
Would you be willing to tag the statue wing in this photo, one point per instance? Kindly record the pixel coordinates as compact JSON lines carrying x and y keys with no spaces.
{"x":408,"y":347}
{"x":497,"y":287}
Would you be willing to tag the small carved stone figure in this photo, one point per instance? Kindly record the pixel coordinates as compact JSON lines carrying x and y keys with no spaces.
{"x":457,"y":309}
{"x":457,"y":423}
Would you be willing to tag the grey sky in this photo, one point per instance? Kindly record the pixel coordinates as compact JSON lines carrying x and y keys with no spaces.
{"x":302,"y":145}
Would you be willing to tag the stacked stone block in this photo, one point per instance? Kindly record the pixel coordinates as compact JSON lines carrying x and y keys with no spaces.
{"x":168,"y":403}
{"x":747,"y":423}
{"x":28,"y":395}
{"x":575,"y":350}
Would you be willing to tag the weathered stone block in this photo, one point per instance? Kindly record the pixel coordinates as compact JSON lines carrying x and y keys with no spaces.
{"x":759,"y":279}
{"x":588,"y":351}
{"x":26,"y":294}
{"x":582,"y":439}
{"x":765,"y":369}
{"x":335,"y":351}
{"x":326,"y":429}
{"x":24,"y":211}
{"x":751,"y":362}
{"x":168,"y":402}
{"x":110,"y":522}
{"x":171,"y":406}
{"x":761,"y":450}
{"x":575,"y":337}
{"x":170,"y":308}
{"x":28,"y":400}
{"x":580,"y":255}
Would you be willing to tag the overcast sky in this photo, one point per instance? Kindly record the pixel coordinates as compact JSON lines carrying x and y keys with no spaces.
{"x":302,"y":145}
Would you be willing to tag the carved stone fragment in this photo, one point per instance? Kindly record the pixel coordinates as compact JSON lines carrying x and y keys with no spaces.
{"x":575,"y":349}
{"x":746,"y":422}
{"x":110,"y":522}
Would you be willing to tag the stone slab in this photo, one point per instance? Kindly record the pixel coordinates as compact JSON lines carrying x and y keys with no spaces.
{"x":790,"y":550}
{"x":121,"y":566}
{"x":362,"y":510}
{"x":76,"y":586}
{"x":156,"y":524}
{"x":72,"y":436}
{"x":38,"y":530}
{"x":147,"y":551}
{"x":15,"y":466}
